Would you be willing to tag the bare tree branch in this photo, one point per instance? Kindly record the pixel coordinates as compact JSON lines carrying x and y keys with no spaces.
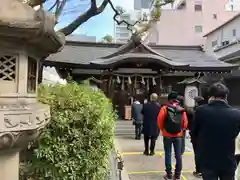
{"x":130,"y":26}
{"x":91,"y":12}
{"x":94,"y":11}
{"x":117,"y":14}
{"x":54,"y":5}
{"x":59,"y":9}
{"x":93,"y":4}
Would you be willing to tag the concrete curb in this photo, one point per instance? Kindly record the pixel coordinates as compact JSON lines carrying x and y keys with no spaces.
{"x":118,"y":149}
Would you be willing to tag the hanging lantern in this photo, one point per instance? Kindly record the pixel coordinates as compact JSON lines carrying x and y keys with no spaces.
{"x":147,"y":84}
{"x":122,"y":87}
{"x":154,"y":81}
{"x":118,"y":80}
{"x":135,"y":82}
{"x":143,"y":82}
{"x":160,"y":83}
{"x":129,"y":80}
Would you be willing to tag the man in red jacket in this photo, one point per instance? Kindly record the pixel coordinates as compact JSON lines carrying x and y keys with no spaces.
{"x":172,"y":120}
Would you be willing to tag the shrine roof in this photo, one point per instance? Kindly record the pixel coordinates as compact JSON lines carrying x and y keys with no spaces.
{"x":103,"y":54}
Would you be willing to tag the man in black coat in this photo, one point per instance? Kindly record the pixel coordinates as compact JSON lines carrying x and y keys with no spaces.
{"x":216,"y":127}
{"x":190,"y":113}
{"x":150,"y":127}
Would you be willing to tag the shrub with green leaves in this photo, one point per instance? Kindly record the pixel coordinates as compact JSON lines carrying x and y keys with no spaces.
{"x":77,"y":143}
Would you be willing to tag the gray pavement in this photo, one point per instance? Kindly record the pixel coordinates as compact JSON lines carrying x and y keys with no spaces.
{"x":140,"y":167}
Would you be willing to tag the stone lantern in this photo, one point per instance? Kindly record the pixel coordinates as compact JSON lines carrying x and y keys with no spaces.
{"x":26,"y":37}
{"x":192,"y":90}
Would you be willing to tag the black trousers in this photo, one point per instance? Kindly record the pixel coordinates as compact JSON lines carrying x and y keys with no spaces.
{"x":196,"y":154}
{"x":138,"y":131}
{"x":218,"y":175}
{"x":152,"y":140}
{"x":183,"y":141}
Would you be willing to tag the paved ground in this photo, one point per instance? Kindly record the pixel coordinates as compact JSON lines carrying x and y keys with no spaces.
{"x":140,"y":167}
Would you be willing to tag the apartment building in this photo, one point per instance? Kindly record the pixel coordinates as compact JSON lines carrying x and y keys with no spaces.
{"x":189,"y":20}
{"x":142,"y":4}
{"x":121,"y":33}
{"x":224,"y":41}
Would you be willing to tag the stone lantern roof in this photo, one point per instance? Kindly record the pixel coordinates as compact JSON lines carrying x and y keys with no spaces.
{"x":35,"y":29}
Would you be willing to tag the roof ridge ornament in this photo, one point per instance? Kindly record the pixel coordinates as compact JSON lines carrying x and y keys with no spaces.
{"x":136,"y":39}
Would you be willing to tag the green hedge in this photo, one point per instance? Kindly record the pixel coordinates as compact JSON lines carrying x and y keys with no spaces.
{"x":77,"y":142}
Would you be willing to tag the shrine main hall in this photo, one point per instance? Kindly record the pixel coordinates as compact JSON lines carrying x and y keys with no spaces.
{"x":136,"y":69}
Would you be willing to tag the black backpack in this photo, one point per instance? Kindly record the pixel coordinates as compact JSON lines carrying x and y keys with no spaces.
{"x":173,"y":122}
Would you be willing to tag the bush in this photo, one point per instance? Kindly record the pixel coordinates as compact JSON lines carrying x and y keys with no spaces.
{"x":77,"y":143}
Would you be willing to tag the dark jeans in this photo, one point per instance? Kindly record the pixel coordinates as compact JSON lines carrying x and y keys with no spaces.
{"x":177,"y":145}
{"x":218,"y":175}
{"x":152,"y":140}
{"x":138,"y":131}
{"x":183,"y":141}
{"x":196,"y":154}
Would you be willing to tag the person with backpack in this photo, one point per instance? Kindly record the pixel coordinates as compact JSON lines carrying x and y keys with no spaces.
{"x":172,"y":120}
{"x":181,"y":103}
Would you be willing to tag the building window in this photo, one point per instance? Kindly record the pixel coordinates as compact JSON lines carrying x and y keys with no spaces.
{"x":198,"y":6}
{"x":198,"y":29}
{"x":234,"y":32}
{"x":32,"y":75}
{"x":214,"y":43}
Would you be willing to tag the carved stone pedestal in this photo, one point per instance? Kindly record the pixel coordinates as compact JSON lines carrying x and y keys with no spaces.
{"x":18,"y":125}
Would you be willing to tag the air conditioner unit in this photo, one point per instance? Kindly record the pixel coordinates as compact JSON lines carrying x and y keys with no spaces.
{"x":238,"y":39}
{"x":234,"y":40}
{"x":215,"y":48}
{"x":225,"y":43}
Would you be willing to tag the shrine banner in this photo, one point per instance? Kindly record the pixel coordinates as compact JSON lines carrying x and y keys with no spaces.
{"x":190,"y":93}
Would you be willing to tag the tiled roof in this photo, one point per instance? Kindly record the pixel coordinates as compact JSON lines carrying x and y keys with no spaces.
{"x":100,"y":53}
{"x":232,"y":56}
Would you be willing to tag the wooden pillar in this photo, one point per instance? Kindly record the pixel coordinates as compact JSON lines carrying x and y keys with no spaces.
{"x":40,"y":72}
{"x":160,"y":85}
{"x":110,"y":91}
